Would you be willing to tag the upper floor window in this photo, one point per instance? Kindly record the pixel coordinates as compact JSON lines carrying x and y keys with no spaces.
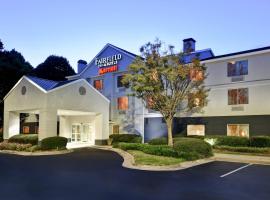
{"x":122,"y":103}
{"x":196,"y":75}
{"x":98,"y":84}
{"x":237,"y":68}
{"x":238,"y":96}
{"x":119,"y":81}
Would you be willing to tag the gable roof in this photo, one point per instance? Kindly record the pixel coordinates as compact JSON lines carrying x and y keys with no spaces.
{"x":132,"y":55}
{"x":48,"y":84}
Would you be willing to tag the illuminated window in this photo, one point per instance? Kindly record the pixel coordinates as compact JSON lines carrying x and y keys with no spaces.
{"x":196,"y":75}
{"x":237,"y":68}
{"x":122,"y":103}
{"x":98,"y":84}
{"x":195,"y":129}
{"x":26,"y":129}
{"x":241,"y":130}
{"x":238,"y":96}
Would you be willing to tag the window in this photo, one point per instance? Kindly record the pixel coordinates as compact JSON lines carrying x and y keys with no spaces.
{"x":119,"y":81}
{"x":195,"y":129}
{"x":238,"y":96}
{"x":98,"y":84}
{"x":241,"y":130}
{"x":122,"y":103}
{"x":26,"y":129}
{"x":237,"y":68}
{"x":196,"y":75}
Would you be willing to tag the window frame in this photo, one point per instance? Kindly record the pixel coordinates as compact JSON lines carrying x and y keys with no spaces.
{"x":102,"y":83}
{"x":235,"y":70}
{"x":118,"y":106}
{"x":238,"y":129}
{"x":238,"y":96}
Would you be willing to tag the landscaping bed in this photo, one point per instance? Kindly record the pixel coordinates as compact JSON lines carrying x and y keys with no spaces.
{"x":29,"y":143}
{"x":158,"y":152}
{"x":142,"y":158}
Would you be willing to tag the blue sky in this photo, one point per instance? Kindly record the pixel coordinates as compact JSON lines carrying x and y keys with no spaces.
{"x":78,"y":29}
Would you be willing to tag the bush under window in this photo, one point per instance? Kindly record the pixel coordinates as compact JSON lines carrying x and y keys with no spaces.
{"x":24,"y":139}
{"x":127,"y":138}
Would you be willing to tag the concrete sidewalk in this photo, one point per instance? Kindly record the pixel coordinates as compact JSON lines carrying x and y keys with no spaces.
{"x":263,"y":160}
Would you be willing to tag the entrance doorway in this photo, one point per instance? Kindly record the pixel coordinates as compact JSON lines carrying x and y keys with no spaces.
{"x":82,"y":132}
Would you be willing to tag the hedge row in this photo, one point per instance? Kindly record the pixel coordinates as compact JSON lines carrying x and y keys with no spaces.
{"x":234,"y":141}
{"x":244,"y":149}
{"x":24,"y":139}
{"x":186,"y":148}
{"x":127,"y":138}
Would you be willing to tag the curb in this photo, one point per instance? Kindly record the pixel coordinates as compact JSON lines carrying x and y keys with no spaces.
{"x":43,"y":153}
{"x":129,"y":161}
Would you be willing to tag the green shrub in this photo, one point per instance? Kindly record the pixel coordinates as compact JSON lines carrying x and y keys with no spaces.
{"x":232,"y":141}
{"x":56,"y":142}
{"x":195,"y":147}
{"x":243,"y":149}
{"x":159,"y":150}
{"x":203,"y":151}
{"x":127,"y":138}
{"x":24,"y":139}
{"x":14,"y":146}
{"x":158,"y":141}
{"x":260,"y":141}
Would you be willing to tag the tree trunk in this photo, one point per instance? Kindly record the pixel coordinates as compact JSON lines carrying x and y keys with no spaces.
{"x":169,"y":127}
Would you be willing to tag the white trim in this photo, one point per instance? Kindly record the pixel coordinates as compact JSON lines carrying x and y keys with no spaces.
{"x":30,"y":81}
{"x":106,"y":46}
{"x":235,"y":56}
{"x":63,"y":86}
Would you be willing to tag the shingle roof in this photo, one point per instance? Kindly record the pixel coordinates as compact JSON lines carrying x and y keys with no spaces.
{"x":201,"y":55}
{"x":48,"y":84}
{"x":238,"y":53}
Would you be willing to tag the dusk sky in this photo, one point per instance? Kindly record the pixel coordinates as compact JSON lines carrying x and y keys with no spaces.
{"x":79,"y":29}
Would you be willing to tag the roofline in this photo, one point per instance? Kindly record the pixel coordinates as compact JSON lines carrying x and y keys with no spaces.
{"x":238,"y":54}
{"x":29,"y":80}
{"x":53,"y":90}
{"x":132,"y":55}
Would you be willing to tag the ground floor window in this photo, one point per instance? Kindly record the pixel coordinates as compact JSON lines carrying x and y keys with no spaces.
{"x":196,"y":129}
{"x":241,"y":130}
{"x":122,"y":103}
{"x":26,"y":130}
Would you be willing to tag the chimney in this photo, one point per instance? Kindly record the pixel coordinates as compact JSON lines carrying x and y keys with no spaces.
{"x":189,"y":45}
{"x":81,"y":65}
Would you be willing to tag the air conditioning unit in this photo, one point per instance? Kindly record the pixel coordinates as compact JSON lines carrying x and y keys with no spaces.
{"x":237,"y":108}
{"x":238,"y":78}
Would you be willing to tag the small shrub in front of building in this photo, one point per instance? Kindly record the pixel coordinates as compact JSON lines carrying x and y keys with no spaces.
{"x":127,"y":138}
{"x":14,"y":146}
{"x":158,"y":141}
{"x":56,"y":142}
{"x":193,"y":147}
{"x":232,"y":141}
{"x":260,"y":141}
{"x":24,"y":139}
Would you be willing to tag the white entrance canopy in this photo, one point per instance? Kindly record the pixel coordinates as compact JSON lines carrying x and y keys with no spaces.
{"x":71,"y":102}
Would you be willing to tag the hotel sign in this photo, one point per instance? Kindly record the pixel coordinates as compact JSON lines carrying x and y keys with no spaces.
{"x":108,"y":64}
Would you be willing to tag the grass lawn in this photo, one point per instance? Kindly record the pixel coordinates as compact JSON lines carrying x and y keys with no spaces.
{"x":147,"y":159}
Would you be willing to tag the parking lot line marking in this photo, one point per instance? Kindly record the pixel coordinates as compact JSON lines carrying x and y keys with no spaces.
{"x":235,"y":170}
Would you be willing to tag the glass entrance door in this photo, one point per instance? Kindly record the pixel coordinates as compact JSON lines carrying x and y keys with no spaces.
{"x":82,"y":132}
{"x":76,"y":133}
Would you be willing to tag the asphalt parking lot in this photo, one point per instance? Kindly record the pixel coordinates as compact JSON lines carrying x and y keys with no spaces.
{"x":97,"y":174}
